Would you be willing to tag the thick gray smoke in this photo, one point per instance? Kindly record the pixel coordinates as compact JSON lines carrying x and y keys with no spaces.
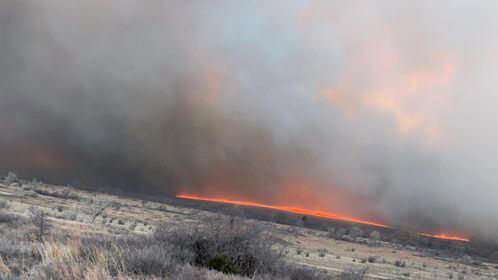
{"x":380,"y":108}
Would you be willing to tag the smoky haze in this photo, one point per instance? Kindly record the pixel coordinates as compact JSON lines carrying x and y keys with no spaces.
{"x":383,"y":109}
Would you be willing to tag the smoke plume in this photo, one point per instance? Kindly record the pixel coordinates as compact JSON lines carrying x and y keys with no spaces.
{"x":384,"y":109}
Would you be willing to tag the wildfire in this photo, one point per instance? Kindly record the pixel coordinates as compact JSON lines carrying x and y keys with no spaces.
{"x":445,"y":236}
{"x":284,"y":208}
{"x":310,"y":213}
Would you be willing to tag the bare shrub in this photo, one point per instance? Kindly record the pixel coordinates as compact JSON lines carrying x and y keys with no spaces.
{"x":355,"y":233}
{"x":11,"y":249}
{"x":32,"y":194}
{"x":466,"y":259}
{"x":399,"y":263}
{"x":39,"y":218}
{"x":132,"y":226}
{"x":4,"y":204}
{"x":70,"y":214}
{"x":322,"y":252}
{"x":10,"y":178}
{"x":96,"y":206}
{"x":226,"y":244}
{"x":247,"y":248}
{"x":67,"y":194}
{"x":11,"y":219}
{"x":149,"y":260}
{"x":293,"y":272}
{"x":354,"y":274}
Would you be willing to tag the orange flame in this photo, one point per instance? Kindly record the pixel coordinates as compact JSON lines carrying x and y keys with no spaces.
{"x":283,"y":208}
{"x":445,"y":236}
{"x":320,"y":214}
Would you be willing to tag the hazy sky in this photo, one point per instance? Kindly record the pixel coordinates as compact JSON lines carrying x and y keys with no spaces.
{"x":384,"y":109}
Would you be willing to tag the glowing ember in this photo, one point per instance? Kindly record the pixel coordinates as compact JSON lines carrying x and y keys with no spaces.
{"x":310,"y":213}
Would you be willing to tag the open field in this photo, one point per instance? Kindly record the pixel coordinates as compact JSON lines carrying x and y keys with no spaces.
{"x":57,"y":253}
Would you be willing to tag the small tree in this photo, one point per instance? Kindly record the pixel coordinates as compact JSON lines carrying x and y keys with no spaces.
{"x":39,"y":218}
{"x":96,"y":206}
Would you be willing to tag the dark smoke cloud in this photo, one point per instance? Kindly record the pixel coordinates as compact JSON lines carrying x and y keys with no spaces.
{"x":383,"y":108}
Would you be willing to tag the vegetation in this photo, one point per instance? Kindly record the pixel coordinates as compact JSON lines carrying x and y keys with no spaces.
{"x":80,"y":235}
{"x":96,"y":206}
{"x":39,"y":218}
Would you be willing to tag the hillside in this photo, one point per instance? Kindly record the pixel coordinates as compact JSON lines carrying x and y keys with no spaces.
{"x":46,"y":232}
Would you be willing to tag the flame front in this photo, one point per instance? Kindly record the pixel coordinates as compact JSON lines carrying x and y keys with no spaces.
{"x":320,"y":214}
{"x":445,"y":236}
{"x":285,"y":209}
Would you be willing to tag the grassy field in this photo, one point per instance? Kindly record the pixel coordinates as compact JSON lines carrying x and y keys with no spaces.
{"x":54,"y":232}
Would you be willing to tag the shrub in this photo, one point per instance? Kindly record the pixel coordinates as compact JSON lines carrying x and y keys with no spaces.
{"x":399,"y":263}
{"x":11,"y":219}
{"x":132,"y":226}
{"x":354,"y":274}
{"x":249,"y":247}
{"x":39,"y":218}
{"x":227,"y":245}
{"x":10,"y":178}
{"x":294,"y":272}
{"x":375,"y":235}
{"x":66,"y":194}
{"x":467,"y":259}
{"x":42,"y":192}
{"x":32,"y":194}
{"x":70,"y":215}
{"x":355,"y":233}
{"x":149,"y":260}
{"x":96,"y":206}
{"x":13,"y":249}
{"x":223,"y":264}
{"x":372,"y":259}
{"x":4,"y":204}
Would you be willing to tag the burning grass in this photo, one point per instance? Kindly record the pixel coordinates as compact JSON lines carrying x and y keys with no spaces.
{"x":319,"y":214}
